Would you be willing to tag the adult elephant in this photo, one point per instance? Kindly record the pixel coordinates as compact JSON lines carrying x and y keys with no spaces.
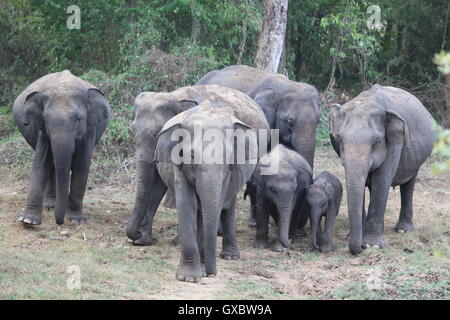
{"x":62,"y":118}
{"x":218,"y":157}
{"x":152,"y":111}
{"x":382,"y":136}
{"x":292,"y":107}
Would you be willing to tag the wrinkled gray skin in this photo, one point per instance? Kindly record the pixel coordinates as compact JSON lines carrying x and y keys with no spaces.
{"x":382,"y":136}
{"x":152,"y":111}
{"x":324,"y":199}
{"x":204,"y":193}
{"x":280,"y":195}
{"x":292,"y":107}
{"x":62,"y":118}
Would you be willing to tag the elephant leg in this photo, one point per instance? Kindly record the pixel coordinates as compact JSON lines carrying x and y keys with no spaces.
{"x":32,"y":215}
{"x":50,"y":189}
{"x":251,"y":192}
{"x":327,"y":236}
{"x":158,"y":190}
{"x":380,"y":182}
{"x":189,"y":269}
{"x":200,"y":241}
{"x":80,"y":171}
{"x":230,"y":248}
{"x":405,"y":222}
{"x":262,"y":223}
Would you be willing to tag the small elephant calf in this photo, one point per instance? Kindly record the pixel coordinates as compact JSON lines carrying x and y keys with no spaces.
{"x":280,"y":194}
{"x":324,"y":198}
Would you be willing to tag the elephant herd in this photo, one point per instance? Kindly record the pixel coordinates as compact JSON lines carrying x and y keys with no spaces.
{"x":201,"y":144}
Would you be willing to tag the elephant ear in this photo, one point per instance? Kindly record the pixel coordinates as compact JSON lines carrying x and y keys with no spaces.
{"x":334,"y":119}
{"x":245,"y":143}
{"x":30,"y":120}
{"x":98,"y":112}
{"x":397,"y":129}
{"x":165,"y":143}
{"x":266,"y":98}
{"x":329,"y":190}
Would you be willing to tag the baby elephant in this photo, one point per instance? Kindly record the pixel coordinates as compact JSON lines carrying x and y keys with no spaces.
{"x":281,"y":179}
{"x":324,"y":198}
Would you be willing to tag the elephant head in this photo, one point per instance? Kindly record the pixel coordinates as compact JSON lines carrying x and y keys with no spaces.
{"x":66,"y":115}
{"x":207,"y":158}
{"x":293,"y":109}
{"x":361,"y":131}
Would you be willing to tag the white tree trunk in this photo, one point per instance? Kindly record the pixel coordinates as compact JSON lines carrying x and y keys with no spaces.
{"x":271,"y":40}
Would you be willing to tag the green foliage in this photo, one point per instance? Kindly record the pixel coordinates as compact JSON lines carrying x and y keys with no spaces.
{"x":126,"y":47}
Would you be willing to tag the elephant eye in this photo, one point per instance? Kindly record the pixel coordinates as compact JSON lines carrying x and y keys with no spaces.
{"x":290,"y":122}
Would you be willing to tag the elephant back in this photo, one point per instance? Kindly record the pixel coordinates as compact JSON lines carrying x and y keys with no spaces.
{"x":244,"y":108}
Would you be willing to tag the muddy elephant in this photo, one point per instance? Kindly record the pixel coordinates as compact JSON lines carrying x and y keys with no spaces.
{"x":382,"y":137}
{"x":62,"y":118}
{"x":205,"y":174}
{"x":152,"y":111}
{"x":280,"y":194}
{"x":324,"y":197}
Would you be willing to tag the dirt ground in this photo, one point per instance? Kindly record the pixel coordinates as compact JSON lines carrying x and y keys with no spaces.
{"x":34,"y":262}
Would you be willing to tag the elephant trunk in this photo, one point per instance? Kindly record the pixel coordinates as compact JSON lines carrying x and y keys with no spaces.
{"x":284,"y":224}
{"x":303,"y":141}
{"x":315,"y":225}
{"x":146,"y":171}
{"x":209,"y":189}
{"x":356,"y":171}
{"x":63,"y":150}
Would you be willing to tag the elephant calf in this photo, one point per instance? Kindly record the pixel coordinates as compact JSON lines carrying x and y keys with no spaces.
{"x":280,"y":194}
{"x":62,"y":118}
{"x":324,"y":199}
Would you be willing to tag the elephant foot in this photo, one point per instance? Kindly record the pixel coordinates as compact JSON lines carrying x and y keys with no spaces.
{"x":189,"y":273}
{"x":230,"y":253}
{"x":49,"y":203}
{"x":30,"y":218}
{"x":76,"y":220}
{"x":277,"y":246}
{"x":403,"y":227}
{"x":75,"y":216}
{"x":355,"y":249}
{"x":373,"y":241}
{"x":175,"y":241}
{"x":146,"y":239}
{"x":260,"y":244}
{"x":325,"y":248}
{"x":252,"y":223}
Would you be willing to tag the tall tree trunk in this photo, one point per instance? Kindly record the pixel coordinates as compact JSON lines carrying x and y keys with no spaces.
{"x":271,"y":40}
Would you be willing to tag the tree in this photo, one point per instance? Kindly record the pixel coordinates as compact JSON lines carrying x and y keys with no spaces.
{"x":271,"y":40}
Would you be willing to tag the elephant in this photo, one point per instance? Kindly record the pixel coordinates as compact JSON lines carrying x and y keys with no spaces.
{"x":152,"y":111}
{"x":382,"y":137}
{"x":206,"y":191}
{"x":280,"y":194}
{"x":291,"y":107}
{"x":62,"y":118}
{"x":324,"y":199}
